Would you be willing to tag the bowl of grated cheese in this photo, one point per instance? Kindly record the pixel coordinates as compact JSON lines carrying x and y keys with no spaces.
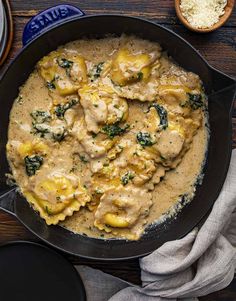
{"x":203,"y":15}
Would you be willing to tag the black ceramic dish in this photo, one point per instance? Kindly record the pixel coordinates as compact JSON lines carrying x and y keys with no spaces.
{"x":29,"y":271}
{"x":219,"y":87}
{"x":7,"y":37}
{"x":3,"y":30}
{"x":2,"y":22}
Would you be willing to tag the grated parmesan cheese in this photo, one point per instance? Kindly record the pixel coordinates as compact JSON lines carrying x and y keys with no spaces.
{"x":202,"y":13}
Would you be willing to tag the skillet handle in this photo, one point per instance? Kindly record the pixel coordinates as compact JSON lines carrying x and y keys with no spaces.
{"x":223,"y":88}
{"x":47,"y":19}
{"x":7,"y":201}
{"x":220,"y":80}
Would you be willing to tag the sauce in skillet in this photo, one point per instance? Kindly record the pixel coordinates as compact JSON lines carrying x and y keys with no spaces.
{"x":107,"y":136}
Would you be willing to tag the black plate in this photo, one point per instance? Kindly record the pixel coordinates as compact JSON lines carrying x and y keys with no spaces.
{"x":217,"y":84}
{"x":32,"y":272}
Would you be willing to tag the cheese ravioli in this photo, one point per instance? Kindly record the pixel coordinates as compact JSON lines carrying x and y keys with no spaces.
{"x":107,"y":136}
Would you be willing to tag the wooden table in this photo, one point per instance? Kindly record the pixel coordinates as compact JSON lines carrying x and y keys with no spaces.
{"x":217,"y":47}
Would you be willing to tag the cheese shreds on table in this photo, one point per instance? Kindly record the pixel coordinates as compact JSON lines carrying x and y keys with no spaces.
{"x":203,"y":13}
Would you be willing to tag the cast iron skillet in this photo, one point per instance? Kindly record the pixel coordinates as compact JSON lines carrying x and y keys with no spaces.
{"x":61,"y":29}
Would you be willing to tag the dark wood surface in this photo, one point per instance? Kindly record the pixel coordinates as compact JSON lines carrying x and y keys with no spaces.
{"x":217,"y":47}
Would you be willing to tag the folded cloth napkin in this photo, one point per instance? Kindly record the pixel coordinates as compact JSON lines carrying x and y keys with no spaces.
{"x":202,"y":262}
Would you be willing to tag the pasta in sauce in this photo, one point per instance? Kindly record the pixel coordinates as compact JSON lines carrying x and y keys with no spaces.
{"x":107,"y":135}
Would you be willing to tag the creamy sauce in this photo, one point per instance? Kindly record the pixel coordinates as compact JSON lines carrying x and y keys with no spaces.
{"x":107,"y":135}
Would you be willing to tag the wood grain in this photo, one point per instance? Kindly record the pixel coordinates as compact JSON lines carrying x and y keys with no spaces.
{"x":162,"y":11}
{"x":217,"y":47}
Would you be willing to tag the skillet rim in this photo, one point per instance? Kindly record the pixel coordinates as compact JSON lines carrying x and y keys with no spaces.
{"x":74,"y":19}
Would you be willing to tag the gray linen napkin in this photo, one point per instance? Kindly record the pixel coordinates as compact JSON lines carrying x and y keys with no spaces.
{"x":196,"y":265}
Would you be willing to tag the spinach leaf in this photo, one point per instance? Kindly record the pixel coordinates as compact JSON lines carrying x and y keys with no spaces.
{"x":140,"y":75}
{"x":41,"y":129}
{"x":126,"y":178}
{"x":195,"y":101}
{"x":96,"y":71}
{"x":144,"y":139}
{"x":112,"y":130}
{"x":64,"y":63}
{"x":40,"y":116}
{"x":48,"y":210}
{"x":83,"y":159}
{"x":61,"y":109}
{"x":161,"y":111}
{"x":32,"y":164}
{"x":51,"y":85}
{"x":38,"y":123}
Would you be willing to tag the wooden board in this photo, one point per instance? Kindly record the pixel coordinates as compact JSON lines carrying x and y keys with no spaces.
{"x":217,"y":47}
